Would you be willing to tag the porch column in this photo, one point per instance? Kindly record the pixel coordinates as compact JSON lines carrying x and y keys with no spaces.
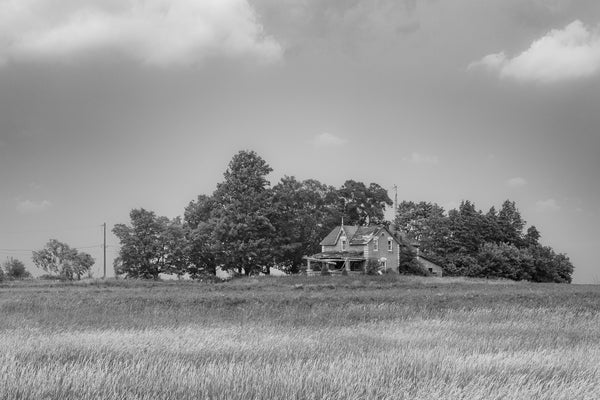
{"x":308,"y":267}
{"x":347,"y":265}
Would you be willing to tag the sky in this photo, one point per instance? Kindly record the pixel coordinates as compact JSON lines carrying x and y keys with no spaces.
{"x":111,"y":105}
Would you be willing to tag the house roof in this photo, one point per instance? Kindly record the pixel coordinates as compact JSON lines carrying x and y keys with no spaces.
{"x":420,"y":257}
{"x":334,"y":235}
{"x":356,"y":235}
{"x":364,"y":234}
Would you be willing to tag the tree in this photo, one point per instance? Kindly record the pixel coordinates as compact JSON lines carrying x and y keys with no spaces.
{"x":242,"y":233}
{"x":198,"y":223}
{"x":504,"y":260}
{"x":199,"y":211}
{"x":201,"y":256}
{"x":549,"y":266}
{"x":150,"y":246}
{"x":362,"y":205}
{"x":468,"y":228}
{"x":427,"y":224}
{"x":418,"y":220}
{"x":510,"y":223}
{"x":303,"y":213}
{"x":15,"y":269}
{"x":57,"y":257}
{"x":532,"y":236}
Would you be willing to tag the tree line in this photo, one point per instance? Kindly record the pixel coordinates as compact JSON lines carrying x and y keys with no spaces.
{"x":247,"y":226}
{"x":468,"y":242}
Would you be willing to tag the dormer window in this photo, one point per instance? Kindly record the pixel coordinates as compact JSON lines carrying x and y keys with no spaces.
{"x":344,"y":243}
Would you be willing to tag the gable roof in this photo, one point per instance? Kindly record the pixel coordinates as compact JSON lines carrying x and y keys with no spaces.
{"x":356,"y":235}
{"x":334,"y":235}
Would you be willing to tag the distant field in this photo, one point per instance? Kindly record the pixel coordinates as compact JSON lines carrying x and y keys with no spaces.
{"x":300,"y":338}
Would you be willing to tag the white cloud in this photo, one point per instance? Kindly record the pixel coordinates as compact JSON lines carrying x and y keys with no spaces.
{"x":549,"y":205}
{"x":516,"y":182}
{"x":32,"y":207}
{"x":422,"y":159}
{"x":570,"y":53}
{"x":328,"y":140}
{"x":155,"y":32}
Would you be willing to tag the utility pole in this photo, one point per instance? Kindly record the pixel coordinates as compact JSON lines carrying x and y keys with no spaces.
{"x":395,"y":200}
{"x":104,"y":248}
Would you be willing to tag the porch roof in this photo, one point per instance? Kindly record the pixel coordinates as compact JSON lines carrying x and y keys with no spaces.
{"x":337,"y":256}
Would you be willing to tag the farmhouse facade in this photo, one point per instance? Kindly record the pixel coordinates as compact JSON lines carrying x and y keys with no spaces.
{"x":350,"y":248}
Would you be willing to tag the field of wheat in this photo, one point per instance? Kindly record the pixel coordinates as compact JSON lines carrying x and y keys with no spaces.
{"x":300,"y":338}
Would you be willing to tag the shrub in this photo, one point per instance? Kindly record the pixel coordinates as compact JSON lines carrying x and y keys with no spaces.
{"x":15,"y":269}
{"x":372,"y":267}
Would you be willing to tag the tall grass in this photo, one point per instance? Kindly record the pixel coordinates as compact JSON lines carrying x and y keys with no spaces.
{"x":318,"y":338}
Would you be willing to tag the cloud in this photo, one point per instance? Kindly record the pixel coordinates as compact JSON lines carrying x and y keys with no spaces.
{"x":155,"y":32}
{"x":560,"y":55}
{"x":422,"y":159}
{"x":328,"y":140}
{"x":32,"y":207}
{"x":516,"y":182}
{"x":549,"y":205}
{"x":350,"y":27}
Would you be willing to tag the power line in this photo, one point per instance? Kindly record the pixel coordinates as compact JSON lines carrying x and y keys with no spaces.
{"x":76,"y":248}
{"x":80,"y":228}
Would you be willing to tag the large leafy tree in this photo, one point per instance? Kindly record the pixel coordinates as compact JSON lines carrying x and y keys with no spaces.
{"x":242,"y":232}
{"x":418,"y":220}
{"x":427,"y":224}
{"x":362,"y":205}
{"x":152,"y":245}
{"x":58,"y":258}
{"x":303,"y":213}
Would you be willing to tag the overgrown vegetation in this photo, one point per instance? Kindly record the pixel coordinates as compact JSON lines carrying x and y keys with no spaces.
{"x":385,"y":337}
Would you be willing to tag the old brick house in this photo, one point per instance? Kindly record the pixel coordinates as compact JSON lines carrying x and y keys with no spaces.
{"x":349,"y":248}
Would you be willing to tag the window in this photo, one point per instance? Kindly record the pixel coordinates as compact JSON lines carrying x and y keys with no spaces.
{"x":390,"y":244}
{"x":343,"y":244}
{"x":376,"y":244}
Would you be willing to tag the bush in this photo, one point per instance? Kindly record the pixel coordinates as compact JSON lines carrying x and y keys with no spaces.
{"x":372,"y":267}
{"x":15,"y":269}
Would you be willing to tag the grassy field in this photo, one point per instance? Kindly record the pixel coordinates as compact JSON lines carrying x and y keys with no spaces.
{"x":300,"y":338}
